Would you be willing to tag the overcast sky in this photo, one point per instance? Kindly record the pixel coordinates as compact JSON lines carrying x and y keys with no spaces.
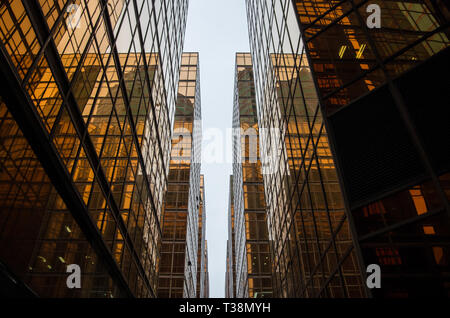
{"x":216,"y":29}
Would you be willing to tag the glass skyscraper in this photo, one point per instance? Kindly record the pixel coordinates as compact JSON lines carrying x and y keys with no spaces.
{"x":377,"y":88}
{"x":230,"y":275}
{"x":311,"y":245}
{"x":205,"y":292}
{"x":202,"y":253}
{"x":341,"y":151}
{"x":184,"y":206}
{"x":252,"y":252}
{"x":86,"y":116}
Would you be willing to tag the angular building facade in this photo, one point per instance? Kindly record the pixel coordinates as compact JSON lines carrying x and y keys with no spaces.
{"x":183,"y":202}
{"x":311,"y":244}
{"x":378,"y":73}
{"x":86,"y":116}
{"x":253,"y":260}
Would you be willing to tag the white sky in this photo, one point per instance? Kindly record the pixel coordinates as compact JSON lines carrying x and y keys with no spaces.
{"x":217,"y":29}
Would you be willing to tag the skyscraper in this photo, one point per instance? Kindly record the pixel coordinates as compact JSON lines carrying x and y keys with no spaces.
{"x":230,"y":275}
{"x":205,"y":292}
{"x":202,"y":258}
{"x":86,"y":118}
{"x":312,"y":249}
{"x":253,"y":260}
{"x":183,"y":201}
{"x":228,"y":281}
{"x":377,"y":71}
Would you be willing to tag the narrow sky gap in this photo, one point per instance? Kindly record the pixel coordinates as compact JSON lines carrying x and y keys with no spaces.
{"x":217,"y":30}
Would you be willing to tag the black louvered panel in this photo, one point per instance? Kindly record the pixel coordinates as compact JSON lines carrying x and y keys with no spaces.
{"x":426,"y":91}
{"x":374,"y":149}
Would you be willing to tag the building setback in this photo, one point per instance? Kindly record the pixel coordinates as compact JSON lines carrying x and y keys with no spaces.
{"x":183,"y":202}
{"x":86,"y":112}
{"x":253,"y":263}
{"x":382,"y":93}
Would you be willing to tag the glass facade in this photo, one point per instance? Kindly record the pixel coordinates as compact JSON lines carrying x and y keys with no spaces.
{"x":350,"y":59}
{"x":253,"y":262}
{"x":399,"y":206}
{"x":205,"y":292}
{"x":230,"y":276}
{"x":341,"y":150}
{"x":180,"y":241}
{"x":86,"y":119}
{"x":382,"y":91}
{"x":312,"y":249}
{"x":202,"y":253}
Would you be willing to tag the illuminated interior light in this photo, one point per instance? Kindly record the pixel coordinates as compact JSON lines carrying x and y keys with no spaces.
{"x":438,"y":253}
{"x":62,"y":260}
{"x":360,"y":52}
{"x":68,"y":229}
{"x":364,"y":66}
{"x":342,"y":51}
{"x":429,"y":230}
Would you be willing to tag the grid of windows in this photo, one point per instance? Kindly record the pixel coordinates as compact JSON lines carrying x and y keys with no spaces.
{"x":178,"y":271}
{"x":350,"y":59}
{"x":312,"y":248}
{"x":401,"y":217}
{"x":100,"y":78}
{"x":253,"y":270}
{"x":373,"y":84}
{"x":38,"y":234}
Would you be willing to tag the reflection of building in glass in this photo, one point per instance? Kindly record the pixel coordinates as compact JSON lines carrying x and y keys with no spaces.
{"x":183,"y":202}
{"x":84,"y":138}
{"x":253,"y":264}
{"x":383,"y":99}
